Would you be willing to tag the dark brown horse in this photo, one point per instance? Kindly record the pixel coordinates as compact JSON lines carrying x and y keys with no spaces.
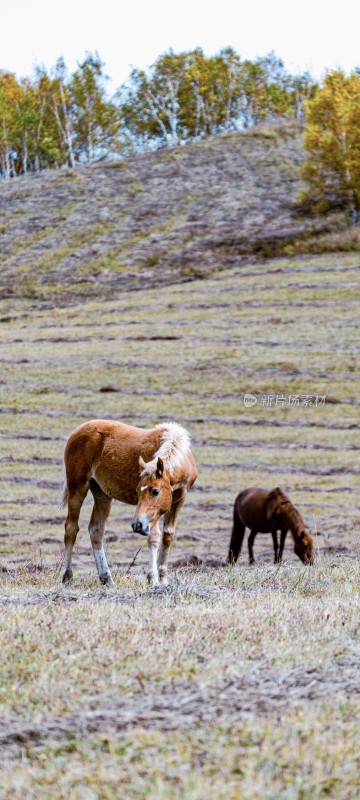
{"x":269,"y":512}
{"x":152,"y":469}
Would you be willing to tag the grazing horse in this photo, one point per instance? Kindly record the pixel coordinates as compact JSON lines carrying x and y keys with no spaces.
{"x":152,"y":469}
{"x":269,"y":512}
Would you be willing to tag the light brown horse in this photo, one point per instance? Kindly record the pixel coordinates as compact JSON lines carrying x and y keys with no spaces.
{"x":269,"y":512}
{"x":152,"y":469}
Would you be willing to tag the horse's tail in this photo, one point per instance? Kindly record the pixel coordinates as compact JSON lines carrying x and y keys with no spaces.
{"x":237,"y":535}
{"x":65,"y":495}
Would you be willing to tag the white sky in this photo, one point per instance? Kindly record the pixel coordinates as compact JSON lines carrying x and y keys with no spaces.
{"x":311,"y":34}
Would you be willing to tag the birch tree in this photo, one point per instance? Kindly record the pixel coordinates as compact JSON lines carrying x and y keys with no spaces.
{"x":302,"y":88}
{"x":61,"y":106}
{"x":151,"y":99}
{"x":95,"y":118}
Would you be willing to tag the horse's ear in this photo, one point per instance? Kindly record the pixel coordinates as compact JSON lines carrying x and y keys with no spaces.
{"x":142,"y":464}
{"x":159,"y":468}
{"x":276,"y":494}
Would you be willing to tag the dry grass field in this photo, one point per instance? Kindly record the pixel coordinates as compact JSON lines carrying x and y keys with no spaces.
{"x":232,"y":683}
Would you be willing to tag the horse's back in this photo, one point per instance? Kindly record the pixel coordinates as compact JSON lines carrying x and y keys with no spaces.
{"x":251,"y":507}
{"x":106,"y":434}
{"x":262,"y":509}
{"x":252,"y":495}
{"x":107,"y":451}
{"x":105,"y":428}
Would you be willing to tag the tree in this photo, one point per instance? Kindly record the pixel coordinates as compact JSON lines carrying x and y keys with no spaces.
{"x":233,"y":96}
{"x":212,"y":92}
{"x":201,"y":106}
{"x":94,"y":118}
{"x":196,"y":96}
{"x":56,"y":119}
{"x":189,"y":95}
{"x":50,"y":149}
{"x":25,"y":119}
{"x":255,"y":106}
{"x":332,"y":170}
{"x":10,"y":97}
{"x":302,"y":88}
{"x":150,"y":103}
{"x":61,"y":106}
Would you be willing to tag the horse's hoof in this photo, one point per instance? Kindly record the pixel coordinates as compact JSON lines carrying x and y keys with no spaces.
{"x":163,"y":575}
{"x":153,"y":581}
{"x":106,"y":579}
{"x":67,"y":576}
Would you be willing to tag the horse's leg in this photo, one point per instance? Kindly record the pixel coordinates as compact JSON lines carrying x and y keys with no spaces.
{"x":251,"y":540}
{"x":100,"y":513}
{"x":75,"y":501}
{"x":168,"y":534}
{"x":282,"y":543}
{"x":154,"y":540}
{"x":276,"y":546}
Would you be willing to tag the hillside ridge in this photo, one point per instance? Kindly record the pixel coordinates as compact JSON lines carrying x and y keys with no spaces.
{"x":153,"y":219}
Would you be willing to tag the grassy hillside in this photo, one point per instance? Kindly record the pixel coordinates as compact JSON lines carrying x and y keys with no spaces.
{"x":158,"y":218}
{"x":231,"y":684}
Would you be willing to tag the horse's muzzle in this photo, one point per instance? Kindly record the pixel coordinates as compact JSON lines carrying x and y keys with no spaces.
{"x":138,"y":527}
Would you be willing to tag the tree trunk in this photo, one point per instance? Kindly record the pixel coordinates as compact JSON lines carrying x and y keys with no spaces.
{"x":6,"y":152}
{"x":172,"y":114}
{"x":90,"y":143}
{"x":67,"y":127}
{"x":38,"y":137}
{"x":25,"y":154}
{"x":197,"y":115}
{"x":12,"y":165}
{"x":151,"y":99}
{"x":354,"y":211}
{"x":355,"y":215}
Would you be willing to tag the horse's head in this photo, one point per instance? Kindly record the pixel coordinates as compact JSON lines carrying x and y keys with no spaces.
{"x":304,"y":547}
{"x":154,"y":497}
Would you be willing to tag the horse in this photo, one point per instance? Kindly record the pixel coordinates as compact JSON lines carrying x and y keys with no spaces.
{"x":266,"y":511}
{"x":152,"y":469}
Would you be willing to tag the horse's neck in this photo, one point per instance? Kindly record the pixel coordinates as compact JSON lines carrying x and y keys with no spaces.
{"x":296,"y":526}
{"x":295,"y":522}
{"x":171,"y":443}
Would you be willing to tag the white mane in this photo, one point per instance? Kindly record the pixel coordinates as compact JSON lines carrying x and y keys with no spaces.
{"x":174,"y":447}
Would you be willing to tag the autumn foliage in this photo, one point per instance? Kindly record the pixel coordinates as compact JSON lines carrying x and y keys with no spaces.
{"x":332,"y":170}
{"x":54,"y":119}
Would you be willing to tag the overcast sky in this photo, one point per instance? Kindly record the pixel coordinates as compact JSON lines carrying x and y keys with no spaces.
{"x":311,"y":34}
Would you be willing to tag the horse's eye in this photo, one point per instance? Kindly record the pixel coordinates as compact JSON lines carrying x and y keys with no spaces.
{"x":155,"y":492}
